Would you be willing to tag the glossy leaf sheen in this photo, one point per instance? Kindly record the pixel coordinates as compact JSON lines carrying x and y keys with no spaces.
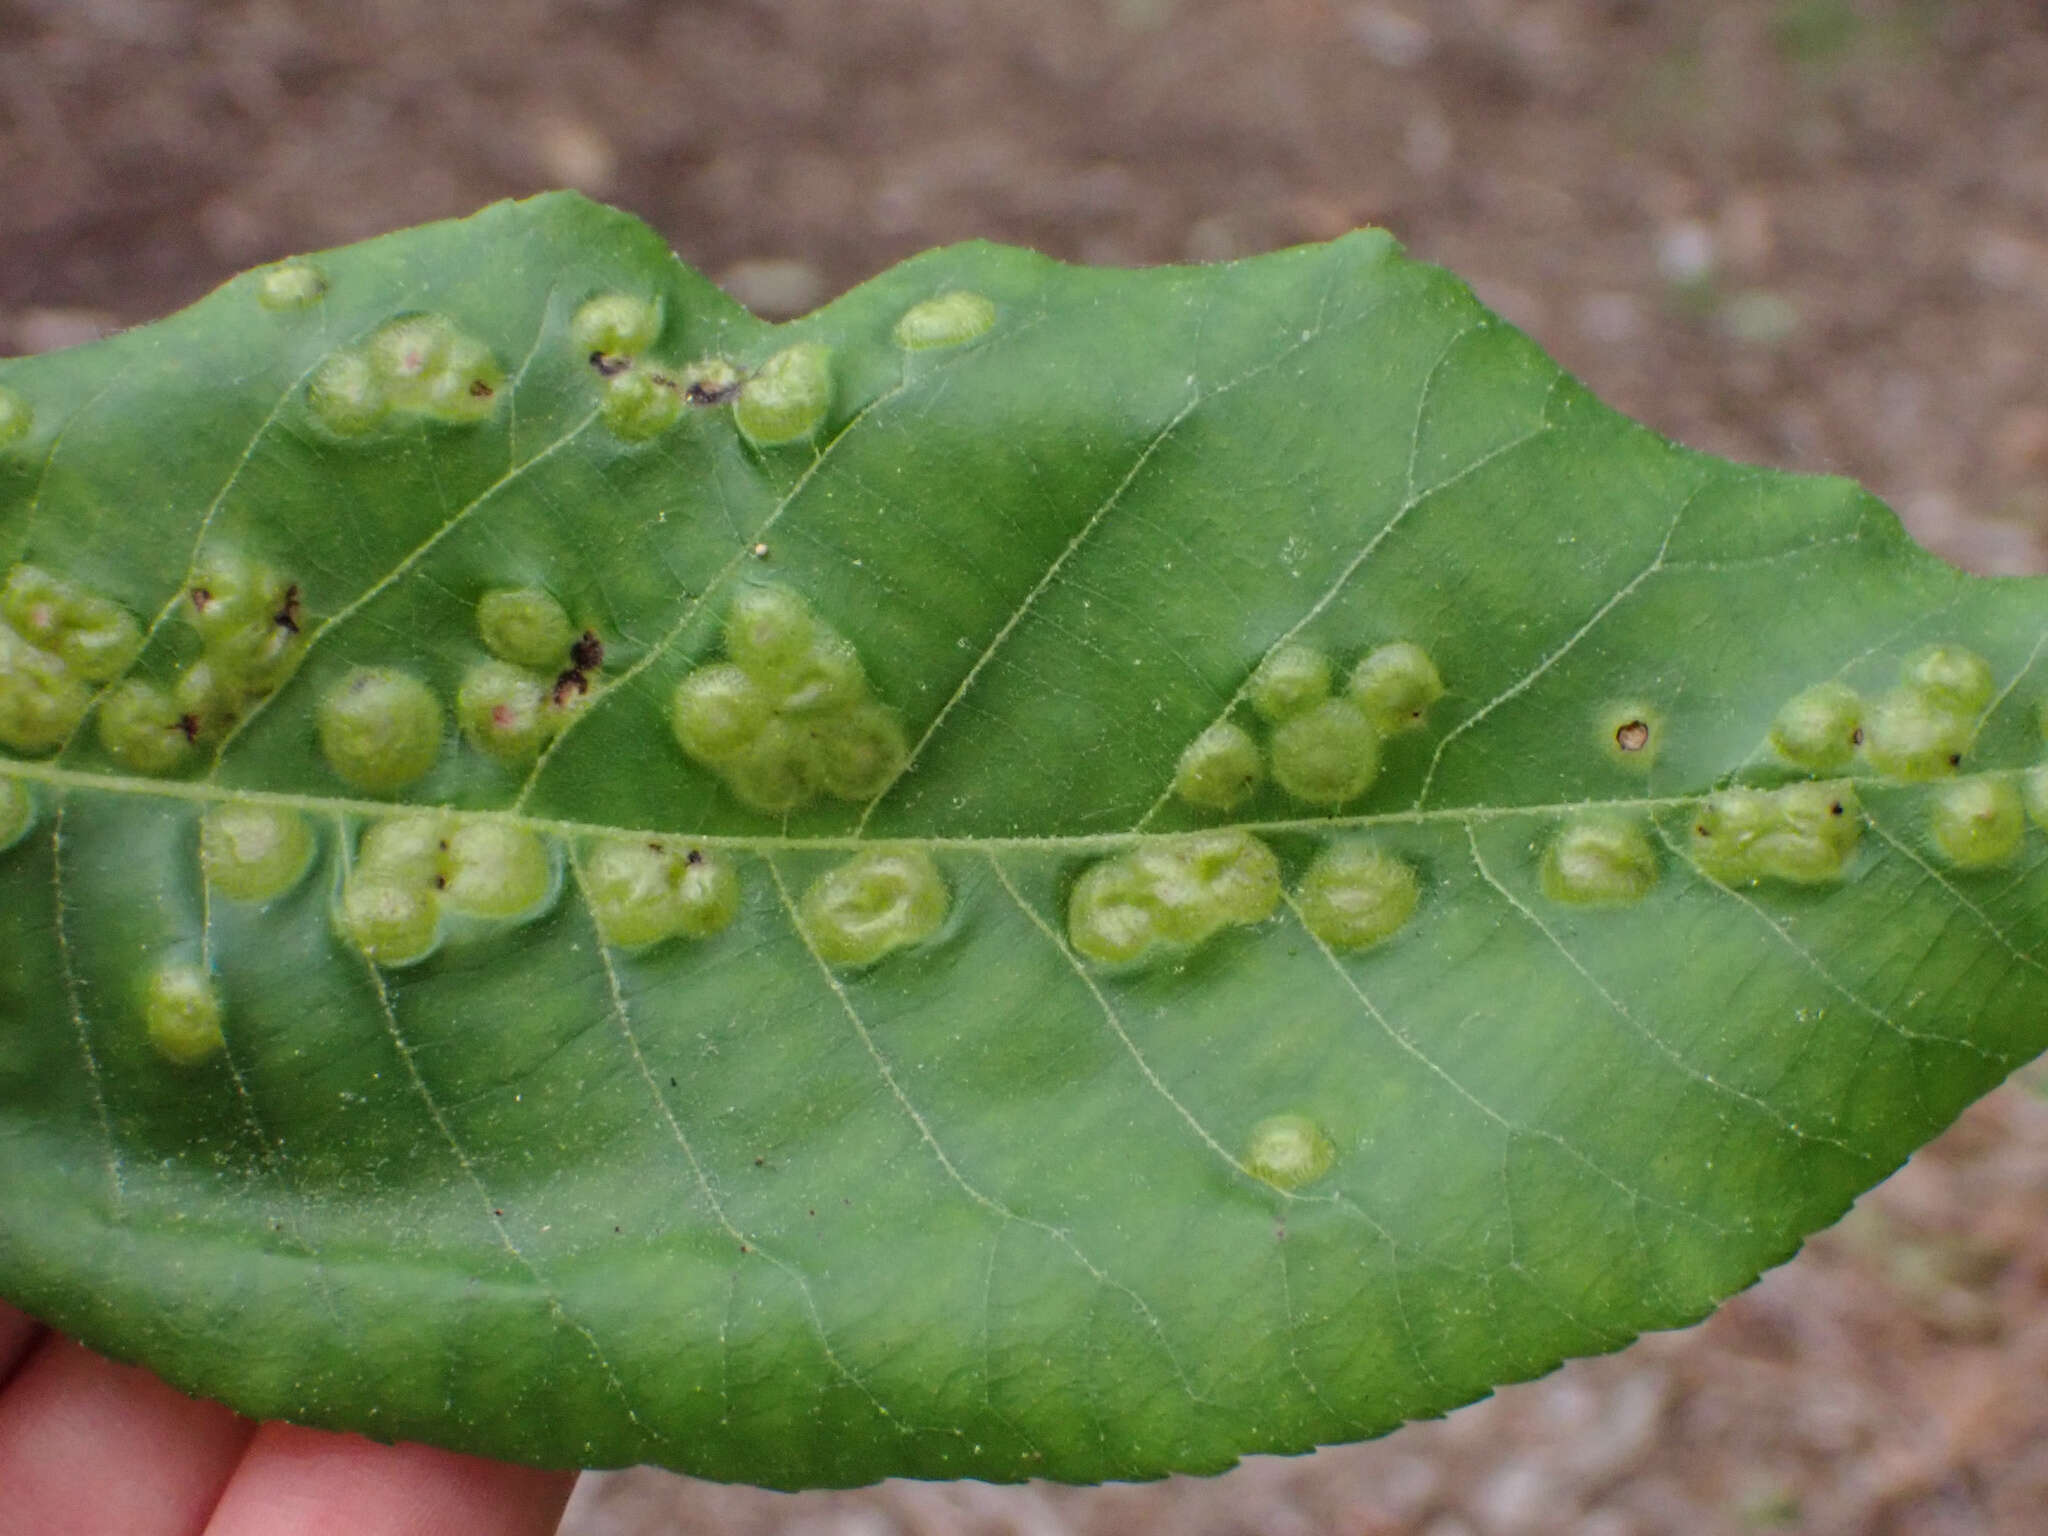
{"x":980,"y":1208}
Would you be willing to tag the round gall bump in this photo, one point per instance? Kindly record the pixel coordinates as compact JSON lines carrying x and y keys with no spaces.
{"x":1395,"y":685}
{"x":1219,"y":768}
{"x":142,"y":728}
{"x":1178,"y":892}
{"x":1112,"y":917}
{"x":1599,"y":861}
{"x":15,"y":418}
{"x":1908,"y":736}
{"x":1815,"y":834}
{"x":380,"y":729}
{"x":628,"y":887}
{"x":467,"y":386}
{"x":406,"y":849}
{"x":710,"y":381}
{"x":1803,"y":834}
{"x":707,"y":894}
{"x":1950,"y":677}
{"x":293,"y":285}
{"x":788,"y":398}
{"x":1290,"y":682}
{"x":346,"y":395}
{"x":254,"y":852}
{"x":1630,"y":735}
{"x":36,"y":605}
{"x":41,"y":699}
{"x":101,"y":641}
{"x":615,"y":325}
{"x":857,"y":751}
{"x":1820,"y":729}
{"x":1978,"y":822}
{"x":525,"y":626}
{"x":425,"y":365}
{"x":228,"y":593}
{"x":825,"y":678}
{"x":181,"y":1011}
{"x":1288,"y":1151}
{"x":495,"y":871}
{"x":206,"y":701}
{"x":873,"y":904}
{"x":1327,"y":756}
{"x":393,"y":922}
{"x":1207,"y":881}
{"x":946,"y":321}
{"x":1354,"y":896}
{"x":717,"y":712}
{"x":2033,"y":789}
{"x":641,"y":892}
{"x":1725,"y":831}
{"x":95,"y":637}
{"x":503,"y":711}
{"x":17,"y":812}
{"x":777,"y":771}
{"x":637,"y":406}
{"x":770,"y":632}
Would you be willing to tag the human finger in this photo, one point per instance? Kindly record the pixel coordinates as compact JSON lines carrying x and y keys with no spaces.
{"x":88,"y":1446}
{"x":305,"y":1482}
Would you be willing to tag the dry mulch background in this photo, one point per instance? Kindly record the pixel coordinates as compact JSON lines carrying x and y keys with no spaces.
{"x":1812,"y":233}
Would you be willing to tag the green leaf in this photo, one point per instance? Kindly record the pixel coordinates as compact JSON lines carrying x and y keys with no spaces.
{"x":907,"y":1078}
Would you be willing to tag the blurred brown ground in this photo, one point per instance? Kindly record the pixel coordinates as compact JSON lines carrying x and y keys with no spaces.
{"x":1812,"y":233}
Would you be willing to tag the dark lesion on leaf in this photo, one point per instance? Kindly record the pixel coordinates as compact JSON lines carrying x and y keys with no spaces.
{"x":287,"y":616}
{"x":609,"y":365}
{"x":587,"y":654}
{"x":1633,"y":735}
{"x":705,"y":392}
{"x":569,"y":684}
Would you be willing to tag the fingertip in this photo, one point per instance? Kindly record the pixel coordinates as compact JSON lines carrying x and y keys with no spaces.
{"x":88,"y":1445}
{"x":305,"y":1482}
{"x":19,"y":1334}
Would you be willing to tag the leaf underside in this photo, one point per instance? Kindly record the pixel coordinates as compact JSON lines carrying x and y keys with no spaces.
{"x":985,"y":1206}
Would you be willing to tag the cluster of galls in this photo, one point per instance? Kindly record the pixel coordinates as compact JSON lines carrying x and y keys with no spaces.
{"x":1918,"y":732}
{"x":58,"y":642}
{"x":417,"y":366}
{"x":543,"y":674}
{"x":788,"y":715}
{"x":640,"y":398}
{"x":1171,"y":894}
{"x":1324,"y":746}
{"x":413,"y":872}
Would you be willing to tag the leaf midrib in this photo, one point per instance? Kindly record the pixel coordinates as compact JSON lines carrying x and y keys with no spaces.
{"x":203,"y":792}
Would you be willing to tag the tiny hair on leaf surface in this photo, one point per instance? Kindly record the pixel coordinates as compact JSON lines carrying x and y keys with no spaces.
{"x":1043,"y":872}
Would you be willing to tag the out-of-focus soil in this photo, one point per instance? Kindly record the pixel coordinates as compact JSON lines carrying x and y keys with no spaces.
{"x":1812,"y":233}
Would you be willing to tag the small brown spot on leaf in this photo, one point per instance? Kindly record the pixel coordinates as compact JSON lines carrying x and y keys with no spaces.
{"x":570,"y":683}
{"x":587,"y":653}
{"x":189,"y":724}
{"x":481,"y":389}
{"x":287,"y":616}
{"x":702,"y":393}
{"x":608,"y":366}
{"x":1633,"y":736}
